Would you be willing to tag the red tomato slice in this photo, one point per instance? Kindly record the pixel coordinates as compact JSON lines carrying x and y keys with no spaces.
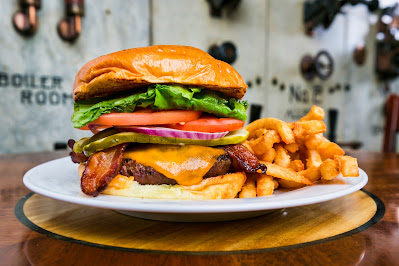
{"x":145,"y":118}
{"x":209,"y":124}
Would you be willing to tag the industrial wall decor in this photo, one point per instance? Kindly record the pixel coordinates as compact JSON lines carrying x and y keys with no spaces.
{"x":69,"y":28}
{"x":265,"y":42}
{"x":25,"y":20}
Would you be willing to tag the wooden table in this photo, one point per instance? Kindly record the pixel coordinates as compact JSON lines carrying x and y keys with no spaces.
{"x":376,"y":245}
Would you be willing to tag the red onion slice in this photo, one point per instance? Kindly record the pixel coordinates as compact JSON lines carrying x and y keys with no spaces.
{"x":94,"y":128}
{"x":174,"y":133}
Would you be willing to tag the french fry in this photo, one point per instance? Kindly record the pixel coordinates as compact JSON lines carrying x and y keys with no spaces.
{"x":290,"y":184}
{"x":347,"y":165}
{"x":268,"y":156}
{"x":313,"y":141}
{"x":282,"y":128}
{"x":271,"y":137}
{"x":311,"y":127}
{"x":248,"y":190}
{"x":297,"y":130}
{"x":285,"y":173}
{"x":260,"y":132}
{"x":264,"y":185}
{"x":312,"y":173}
{"x":293,"y":147}
{"x":329,"y":170}
{"x":247,"y":145}
{"x":296,"y":154}
{"x":329,"y":149}
{"x":297,"y":165}
{"x":312,"y":158}
{"x":257,"y":146}
{"x":282,"y":157}
{"x":265,"y":142}
{"x":315,"y":113}
{"x":276,"y":184}
{"x":326,"y":148}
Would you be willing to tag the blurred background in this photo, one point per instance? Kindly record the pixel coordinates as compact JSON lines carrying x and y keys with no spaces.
{"x":342,"y":55}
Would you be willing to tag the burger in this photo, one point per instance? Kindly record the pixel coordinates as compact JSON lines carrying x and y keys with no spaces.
{"x":167,"y":123}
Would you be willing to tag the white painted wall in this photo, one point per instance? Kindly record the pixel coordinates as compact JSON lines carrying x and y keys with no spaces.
{"x":189,"y":23}
{"x":269,"y":35}
{"x":107,"y":26}
{"x":360,"y":108}
{"x":271,"y":41}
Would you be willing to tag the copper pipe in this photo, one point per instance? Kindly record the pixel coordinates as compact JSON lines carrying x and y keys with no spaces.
{"x":32,"y":15}
{"x":70,"y":27}
{"x":78,"y":24}
{"x":25,"y":20}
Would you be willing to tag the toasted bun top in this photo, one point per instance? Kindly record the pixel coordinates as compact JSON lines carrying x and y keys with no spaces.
{"x":133,"y":68}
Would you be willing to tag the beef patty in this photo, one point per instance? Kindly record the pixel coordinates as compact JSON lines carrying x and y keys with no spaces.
{"x":147,"y":175}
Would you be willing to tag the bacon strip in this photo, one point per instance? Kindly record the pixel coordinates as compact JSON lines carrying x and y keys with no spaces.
{"x":76,"y":157}
{"x":243,"y":159}
{"x":101,"y":168}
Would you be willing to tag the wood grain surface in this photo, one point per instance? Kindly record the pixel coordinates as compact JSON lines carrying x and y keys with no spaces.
{"x":377,"y":245}
{"x":287,"y":227}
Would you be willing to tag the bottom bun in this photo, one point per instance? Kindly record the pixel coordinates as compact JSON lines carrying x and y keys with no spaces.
{"x":218,"y":187}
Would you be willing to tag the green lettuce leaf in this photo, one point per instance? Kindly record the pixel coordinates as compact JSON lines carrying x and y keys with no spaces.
{"x":162,"y":97}
{"x":86,"y":112}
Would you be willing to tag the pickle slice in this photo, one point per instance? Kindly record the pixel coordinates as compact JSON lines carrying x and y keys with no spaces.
{"x":91,"y":147}
{"x":79,"y":145}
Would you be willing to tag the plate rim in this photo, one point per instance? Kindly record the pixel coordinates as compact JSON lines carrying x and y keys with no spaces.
{"x":188,"y":206}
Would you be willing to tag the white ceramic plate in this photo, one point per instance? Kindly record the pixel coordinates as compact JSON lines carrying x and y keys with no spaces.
{"x":59,"y":180}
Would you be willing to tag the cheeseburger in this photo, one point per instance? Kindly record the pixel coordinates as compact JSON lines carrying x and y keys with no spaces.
{"x":167,"y":123}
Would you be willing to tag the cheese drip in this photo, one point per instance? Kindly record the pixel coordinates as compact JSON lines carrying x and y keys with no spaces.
{"x":186,"y":164}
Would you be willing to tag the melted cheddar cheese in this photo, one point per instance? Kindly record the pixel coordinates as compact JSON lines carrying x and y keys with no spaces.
{"x":186,"y":164}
